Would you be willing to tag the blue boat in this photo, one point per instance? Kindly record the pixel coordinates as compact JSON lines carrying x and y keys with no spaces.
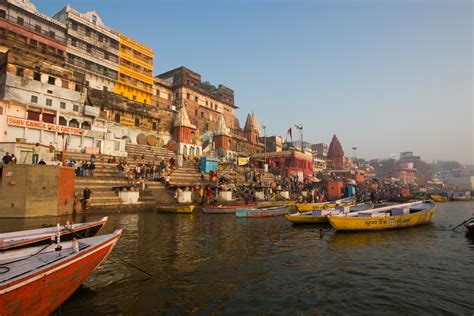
{"x":262,"y":212}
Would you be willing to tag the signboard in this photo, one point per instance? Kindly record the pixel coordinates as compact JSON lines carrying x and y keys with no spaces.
{"x":14,"y":121}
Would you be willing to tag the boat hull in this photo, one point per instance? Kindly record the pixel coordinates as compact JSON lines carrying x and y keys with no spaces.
{"x":66,"y":235}
{"x":224,"y":209}
{"x":266,"y":212}
{"x":309,"y":219}
{"x":43,"y":292}
{"x":184,"y":209}
{"x":439,"y":198}
{"x":382,"y":223}
{"x":306,"y":207}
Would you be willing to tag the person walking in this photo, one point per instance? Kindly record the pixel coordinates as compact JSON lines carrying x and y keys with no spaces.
{"x":36,"y":152}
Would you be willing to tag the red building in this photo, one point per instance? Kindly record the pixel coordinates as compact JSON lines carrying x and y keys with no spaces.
{"x":288,"y":163}
{"x":335,"y":154}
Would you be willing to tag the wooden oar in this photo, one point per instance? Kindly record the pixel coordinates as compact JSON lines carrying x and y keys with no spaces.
{"x":467,"y":220}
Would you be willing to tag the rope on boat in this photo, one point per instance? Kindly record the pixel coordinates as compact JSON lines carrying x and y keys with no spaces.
{"x":137,"y":268}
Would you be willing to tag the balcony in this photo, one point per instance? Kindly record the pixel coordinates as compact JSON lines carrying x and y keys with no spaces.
{"x":91,"y":111}
{"x":32,"y":28}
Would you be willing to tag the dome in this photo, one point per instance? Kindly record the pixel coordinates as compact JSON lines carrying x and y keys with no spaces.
{"x":251,"y":124}
{"x":335,"y":149}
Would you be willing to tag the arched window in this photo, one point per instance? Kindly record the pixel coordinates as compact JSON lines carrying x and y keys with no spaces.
{"x":192,"y":151}
{"x":74,"y":123}
{"x":62,"y":121}
{"x":85,"y":125}
{"x":127,"y":139}
{"x":198,"y":152}
{"x":185,"y":150}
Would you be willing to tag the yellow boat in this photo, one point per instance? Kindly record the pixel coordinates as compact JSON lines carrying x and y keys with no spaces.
{"x":395,"y":216}
{"x":439,"y":198}
{"x":305,"y":207}
{"x":321,"y":216}
{"x":275,"y":204}
{"x":180,"y":209}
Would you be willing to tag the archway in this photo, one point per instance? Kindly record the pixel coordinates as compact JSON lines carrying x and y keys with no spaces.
{"x":62,"y":121}
{"x":85,"y":125}
{"x":74,"y":123}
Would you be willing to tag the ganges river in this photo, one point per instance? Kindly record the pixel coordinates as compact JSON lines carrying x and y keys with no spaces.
{"x":217,"y":264}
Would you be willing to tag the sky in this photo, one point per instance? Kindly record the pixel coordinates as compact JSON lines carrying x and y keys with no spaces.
{"x":385,"y":76}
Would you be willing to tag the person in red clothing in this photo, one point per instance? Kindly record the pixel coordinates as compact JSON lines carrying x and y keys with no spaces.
{"x":208,"y":194}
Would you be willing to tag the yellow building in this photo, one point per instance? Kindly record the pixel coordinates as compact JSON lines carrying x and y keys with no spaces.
{"x":135,"y":79}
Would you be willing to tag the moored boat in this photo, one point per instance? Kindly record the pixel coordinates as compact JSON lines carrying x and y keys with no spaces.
{"x":460,"y":196}
{"x":389,"y":217}
{"x":469,"y":224}
{"x":321,"y":216}
{"x":179,"y":209}
{"x":41,"y":236}
{"x":262,"y":212}
{"x":225,"y":209}
{"x":439,"y":198}
{"x":304,"y":207}
{"x":38,"y":284}
{"x":267,"y":204}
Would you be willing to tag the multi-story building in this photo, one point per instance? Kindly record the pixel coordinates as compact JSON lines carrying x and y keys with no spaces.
{"x":41,"y":97}
{"x":135,"y":78}
{"x":320,"y":150}
{"x":91,"y":47}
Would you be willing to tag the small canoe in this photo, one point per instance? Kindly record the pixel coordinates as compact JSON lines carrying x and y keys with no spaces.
{"x":439,"y":198}
{"x":180,"y":209}
{"x":321,"y":216}
{"x":38,"y":284}
{"x":262,"y":212}
{"x":225,"y":209}
{"x":42,"y":236}
{"x":470,"y":226}
{"x":389,"y":217}
{"x":304,"y":207}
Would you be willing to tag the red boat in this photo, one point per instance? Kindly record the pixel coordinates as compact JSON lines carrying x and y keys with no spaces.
{"x":38,"y":284}
{"x":225,"y":209}
{"x":42,"y":236}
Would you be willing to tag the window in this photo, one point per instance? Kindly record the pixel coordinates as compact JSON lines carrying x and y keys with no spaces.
{"x":48,"y":118}
{"x":85,"y":125}
{"x":51,"y":80}
{"x":38,"y":28}
{"x":137,"y":122}
{"x":37,"y":76}
{"x":195,"y":112}
{"x":188,"y":96}
{"x":154,"y":126}
{"x":117,"y":118}
{"x":106,"y":55}
{"x":62,"y":105}
{"x":20,"y":71}
{"x":196,"y":99}
{"x":62,"y":121}
{"x":49,"y":102}
{"x":89,"y":49}
{"x":19,"y":20}
{"x":88,"y":32}
{"x":94,"y":19}
{"x":77,"y":88}
{"x":101,"y":38}
{"x":33,"y":116}
{"x":52,"y":34}
{"x":105,"y":88}
{"x":34,"y":99}
{"x":33,"y":42}
{"x":65,"y":84}
{"x":202,"y":114}
{"x":73,"y":42}
{"x":74,"y":26}
{"x":2,"y":14}
{"x":74,"y":123}
{"x":75,"y":108}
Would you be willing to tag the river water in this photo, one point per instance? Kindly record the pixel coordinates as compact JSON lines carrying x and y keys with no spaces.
{"x":217,"y":264}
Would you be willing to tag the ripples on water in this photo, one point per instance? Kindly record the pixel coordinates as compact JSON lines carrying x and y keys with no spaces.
{"x":222,"y":265}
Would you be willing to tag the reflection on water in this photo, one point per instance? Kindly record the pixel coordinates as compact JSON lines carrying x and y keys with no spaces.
{"x":220,"y":264}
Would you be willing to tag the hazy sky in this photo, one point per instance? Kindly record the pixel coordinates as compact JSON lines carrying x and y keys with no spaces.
{"x":386,"y":76}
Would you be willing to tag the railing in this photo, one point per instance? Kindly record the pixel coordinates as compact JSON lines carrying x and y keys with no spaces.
{"x":31,"y":27}
{"x":108,"y":46}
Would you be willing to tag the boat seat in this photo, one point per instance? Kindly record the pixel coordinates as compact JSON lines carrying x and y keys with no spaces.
{"x":398,"y":211}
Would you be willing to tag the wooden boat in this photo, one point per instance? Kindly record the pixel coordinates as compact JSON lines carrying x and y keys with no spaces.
{"x":321,"y":216}
{"x":304,"y":207}
{"x":389,"y":217}
{"x":267,"y":204}
{"x":38,"y":284}
{"x":41,"y":236}
{"x":179,"y":209}
{"x":262,"y":212}
{"x":225,"y":209}
{"x":460,"y":196}
{"x":470,"y":225}
{"x":439,"y":198}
